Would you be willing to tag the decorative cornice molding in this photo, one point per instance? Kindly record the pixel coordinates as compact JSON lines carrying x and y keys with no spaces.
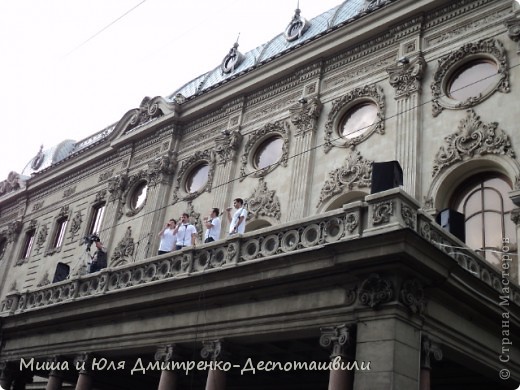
{"x":473,"y":138}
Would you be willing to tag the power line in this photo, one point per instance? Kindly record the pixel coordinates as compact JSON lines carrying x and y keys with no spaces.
{"x":106,"y":27}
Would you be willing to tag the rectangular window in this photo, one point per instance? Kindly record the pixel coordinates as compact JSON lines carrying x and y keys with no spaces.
{"x":28,"y":243}
{"x":97,"y":219}
{"x":61,"y":228}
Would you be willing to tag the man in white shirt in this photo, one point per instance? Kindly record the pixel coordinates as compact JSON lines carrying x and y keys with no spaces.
{"x":168,"y":237}
{"x":212,"y":226}
{"x":186,"y":233}
{"x":238,"y":221}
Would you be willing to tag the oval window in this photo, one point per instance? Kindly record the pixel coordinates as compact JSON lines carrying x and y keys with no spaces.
{"x":197,"y":178}
{"x":138,"y":196}
{"x":358,"y":119}
{"x":472,"y":79}
{"x":269,"y":152}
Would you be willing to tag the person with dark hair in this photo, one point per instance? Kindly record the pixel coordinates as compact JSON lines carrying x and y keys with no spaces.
{"x":99,"y":258}
{"x":238,"y":221}
{"x":186,"y":232}
{"x":168,"y":237}
{"x":212,"y":224}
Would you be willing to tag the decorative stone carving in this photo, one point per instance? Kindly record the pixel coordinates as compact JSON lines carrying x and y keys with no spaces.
{"x":339,"y":337}
{"x":305,"y":115}
{"x":356,"y":172}
{"x":100,"y":196}
{"x":341,"y":105}
{"x":161,"y":167}
{"x":409,"y":216}
{"x":38,"y":159}
{"x":44,"y":280}
{"x":406,"y":76}
{"x":282,"y":129}
{"x":75,"y":224}
{"x":473,"y":138}
{"x":64,"y":212}
{"x":124,"y":249}
{"x":148,"y":110}
{"x":116,"y":186}
{"x":42,"y":236}
{"x":515,"y":216}
{"x":428,"y":203}
{"x":106,"y":175}
{"x":232,"y":59}
{"x":375,"y":291}
{"x":227,"y":145}
{"x":382,"y":212}
{"x":213,"y":350}
{"x":69,"y":191}
{"x":263,"y":202}
{"x":195,"y":219}
{"x":412,"y":295}
{"x":166,"y":353}
{"x":351,"y":222}
{"x":296,"y":27}
{"x":489,"y":47}
{"x":187,"y":165}
{"x":13,"y":183}
{"x":429,"y":347}
{"x":513,"y":30}
{"x":13,"y":230}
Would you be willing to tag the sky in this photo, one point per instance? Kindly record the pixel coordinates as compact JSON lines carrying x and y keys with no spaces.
{"x":71,"y":68}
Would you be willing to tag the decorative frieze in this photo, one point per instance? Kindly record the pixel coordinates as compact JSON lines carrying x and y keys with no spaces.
{"x":473,"y":138}
{"x":139,"y":159}
{"x":69,"y":191}
{"x":356,"y":172}
{"x":266,"y":111}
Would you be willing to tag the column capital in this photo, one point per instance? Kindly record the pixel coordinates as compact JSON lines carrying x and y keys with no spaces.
{"x":339,"y":337}
{"x":428,"y":348}
{"x":406,"y":76}
{"x":305,"y":115}
{"x":82,"y":362}
{"x":213,"y":350}
{"x":167,"y":353}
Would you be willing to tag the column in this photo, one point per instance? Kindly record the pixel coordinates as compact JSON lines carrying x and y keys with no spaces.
{"x":85,"y":378}
{"x":55,"y":380}
{"x":6,"y":374}
{"x":304,"y":117}
{"x":406,"y":78}
{"x":167,"y":355}
{"x":429,"y":348}
{"x":392,"y":345}
{"x":340,"y":339}
{"x":212,"y":350}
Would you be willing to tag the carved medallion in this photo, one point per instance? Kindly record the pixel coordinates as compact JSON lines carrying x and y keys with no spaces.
{"x":375,"y":291}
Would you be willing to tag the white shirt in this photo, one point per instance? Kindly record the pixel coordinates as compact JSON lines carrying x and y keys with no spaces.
{"x":168,"y":240}
{"x":214,"y":231}
{"x":241,"y":212}
{"x":184,"y":234}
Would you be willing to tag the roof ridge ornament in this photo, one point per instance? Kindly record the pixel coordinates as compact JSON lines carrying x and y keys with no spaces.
{"x":297,"y":26}
{"x":232,"y":59}
{"x":38,"y":159}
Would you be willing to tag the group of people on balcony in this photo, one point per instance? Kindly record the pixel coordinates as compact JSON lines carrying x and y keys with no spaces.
{"x":180,"y":234}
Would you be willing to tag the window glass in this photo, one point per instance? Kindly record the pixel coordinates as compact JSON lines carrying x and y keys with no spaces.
{"x":28,"y":243}
{"x":197,"y":178}
{"x":97,"y":218}
{"x":269,"y":152}
{"x":358,"y":119}
{"x":61,"y":228}
{"x":472,"y":79}
{"x":138,"y":196}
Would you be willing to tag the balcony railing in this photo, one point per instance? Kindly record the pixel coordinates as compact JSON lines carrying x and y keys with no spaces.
{"x":378,"y":213}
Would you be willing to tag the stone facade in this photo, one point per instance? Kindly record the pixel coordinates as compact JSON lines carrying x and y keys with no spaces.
{"x":327,"y":271}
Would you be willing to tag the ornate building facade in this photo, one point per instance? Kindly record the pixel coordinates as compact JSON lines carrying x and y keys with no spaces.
{"x":329,"y":272}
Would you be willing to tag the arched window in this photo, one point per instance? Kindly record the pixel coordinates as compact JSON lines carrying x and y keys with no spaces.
{"x":486,"y":206}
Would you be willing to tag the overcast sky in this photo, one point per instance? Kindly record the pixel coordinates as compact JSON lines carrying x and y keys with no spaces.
{"x":71,"y":68}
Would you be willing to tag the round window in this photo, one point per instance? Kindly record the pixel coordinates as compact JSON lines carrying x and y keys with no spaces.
{"x":197,"y":178}
{"x":472,"y":79}
{"x":358,"y":119}
{"x":269,"y":152}
{"x":138,"y":196}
